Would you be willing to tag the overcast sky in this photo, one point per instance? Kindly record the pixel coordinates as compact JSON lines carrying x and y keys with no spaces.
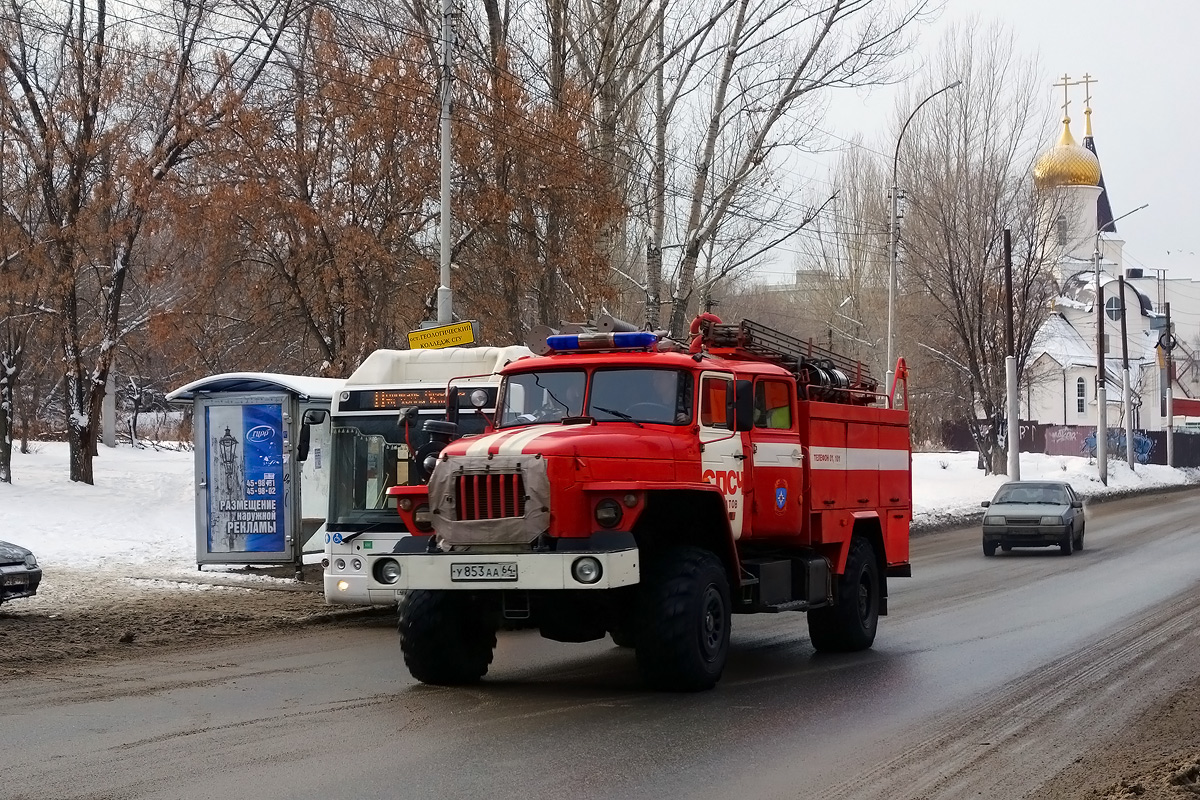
{"x":1144,"y":107}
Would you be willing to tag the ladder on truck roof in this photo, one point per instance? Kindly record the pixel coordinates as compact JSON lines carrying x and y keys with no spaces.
{"x":823,"y":374}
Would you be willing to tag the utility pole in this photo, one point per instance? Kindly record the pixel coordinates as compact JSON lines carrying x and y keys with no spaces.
{"x":1170,"y":369}
{"x":1101,"y":393}
{"x":1126,"y":391}
{"x":445,"y":306}
{"x":1010,"y":368}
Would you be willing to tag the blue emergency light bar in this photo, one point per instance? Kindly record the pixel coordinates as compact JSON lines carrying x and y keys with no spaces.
{"x":633,"y":340}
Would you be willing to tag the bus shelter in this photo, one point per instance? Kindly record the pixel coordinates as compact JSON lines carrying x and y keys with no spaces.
{"x":256,"y":502}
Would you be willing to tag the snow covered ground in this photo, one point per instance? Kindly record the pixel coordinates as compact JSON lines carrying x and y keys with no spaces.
{"x":139,"y":518}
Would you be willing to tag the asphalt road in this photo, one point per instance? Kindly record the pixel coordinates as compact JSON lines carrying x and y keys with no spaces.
{"x":988,"y":676}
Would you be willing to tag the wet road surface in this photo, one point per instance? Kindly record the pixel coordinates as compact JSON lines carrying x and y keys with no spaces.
{"x":987,"y":677}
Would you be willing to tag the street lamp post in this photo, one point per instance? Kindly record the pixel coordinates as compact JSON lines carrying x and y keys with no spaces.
{"x":893,"y":230}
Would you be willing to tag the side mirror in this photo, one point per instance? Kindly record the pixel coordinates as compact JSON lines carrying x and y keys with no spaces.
{"x":743,"y":414}
{"x":1076,"y":504}
{"x":313,"y":416}
{"x":986,"y":503}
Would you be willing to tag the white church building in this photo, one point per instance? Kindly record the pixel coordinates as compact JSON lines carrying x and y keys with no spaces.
{"x":1059,"y":386}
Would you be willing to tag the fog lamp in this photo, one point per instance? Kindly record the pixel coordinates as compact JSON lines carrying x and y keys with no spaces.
{"x":387,"y":570}
{"x":587,"y":569}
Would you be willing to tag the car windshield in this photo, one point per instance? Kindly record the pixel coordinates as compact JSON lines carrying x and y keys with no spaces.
{"x":632,"y":395}
{"x":1047,"y":495}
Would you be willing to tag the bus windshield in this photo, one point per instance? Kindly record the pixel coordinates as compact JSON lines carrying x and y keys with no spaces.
{"x":370,"y":454}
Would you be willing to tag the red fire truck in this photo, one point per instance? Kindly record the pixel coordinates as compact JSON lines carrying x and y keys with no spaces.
{"x":649,"y":490}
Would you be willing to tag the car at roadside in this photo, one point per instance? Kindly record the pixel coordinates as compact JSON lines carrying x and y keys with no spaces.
{"x":19,"y":572}
{"x":1033,"y":514}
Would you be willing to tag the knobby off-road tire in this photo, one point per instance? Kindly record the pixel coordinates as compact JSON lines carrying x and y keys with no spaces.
{"x":682,"y":636}
{"x":850,"y":623}
{"x":447,"y":638}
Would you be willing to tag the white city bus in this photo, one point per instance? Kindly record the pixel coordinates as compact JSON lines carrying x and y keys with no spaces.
{"x":377,"y":436}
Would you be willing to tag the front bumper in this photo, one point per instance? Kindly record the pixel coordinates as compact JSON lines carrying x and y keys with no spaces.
{"x":1026,"y":536}
{"x":535,"y":570}
{"x":19,"y":580}
{"x":355,"y":589}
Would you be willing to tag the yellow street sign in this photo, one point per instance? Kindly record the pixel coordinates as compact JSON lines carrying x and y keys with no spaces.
{"x":455,"y":335}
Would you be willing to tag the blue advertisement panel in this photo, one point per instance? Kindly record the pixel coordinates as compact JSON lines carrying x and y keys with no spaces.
{"x":245,"y":478}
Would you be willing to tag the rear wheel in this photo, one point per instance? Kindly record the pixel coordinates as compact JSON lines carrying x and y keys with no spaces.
{"x":850,"y":623}
{"x":682,"y":637}
{"x":447,"y":638}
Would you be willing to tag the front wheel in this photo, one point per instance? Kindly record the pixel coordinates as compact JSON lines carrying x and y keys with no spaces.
{"x":682,"y":637}
{"x":850,"y":623}
{"x":1067,"y":545}
{"x":447,"y":638}
{"x":989,"y":549}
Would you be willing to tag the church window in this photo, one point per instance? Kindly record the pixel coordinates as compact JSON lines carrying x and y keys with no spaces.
{"x":1061,"y":225}
{"x":1080,"y":396}
{"x":1112,"y":307}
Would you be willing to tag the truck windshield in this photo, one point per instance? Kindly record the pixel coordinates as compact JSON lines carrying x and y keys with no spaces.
{"x":632,"y":395}
{"x":369,"y":454}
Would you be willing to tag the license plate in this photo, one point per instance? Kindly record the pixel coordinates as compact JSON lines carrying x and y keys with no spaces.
{"x":19,"y":580}
{"x":500,"y":571}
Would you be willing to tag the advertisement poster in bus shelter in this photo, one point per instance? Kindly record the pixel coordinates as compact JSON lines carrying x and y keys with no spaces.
{"x":247,"y":479}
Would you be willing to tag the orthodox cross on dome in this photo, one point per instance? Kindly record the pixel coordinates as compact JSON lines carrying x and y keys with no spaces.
{"x":1087,"y":82}
{"x":1066,"y":83}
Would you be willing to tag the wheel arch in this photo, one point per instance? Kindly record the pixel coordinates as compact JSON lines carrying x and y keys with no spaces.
{"x":869,"y":528}
{"x":687,"y":517}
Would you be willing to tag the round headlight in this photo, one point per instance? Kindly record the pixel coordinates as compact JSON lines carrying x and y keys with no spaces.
{"x":356,"y":563}
{"x":608,"y":513}
{"x":340,"y":563}
{"x":479,"y":398}
{"x":345,"y":396}
{"x":587,"y":569}
{"x":630,"y":500}
{"x":343,"y":586}
{"x":423,"y":518}
{"x":387,"y":570}
{"x":405,"y":504}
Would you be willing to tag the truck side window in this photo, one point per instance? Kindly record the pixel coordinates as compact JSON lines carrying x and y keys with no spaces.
{"x":713,"y":394}
{"x":772,"y":405}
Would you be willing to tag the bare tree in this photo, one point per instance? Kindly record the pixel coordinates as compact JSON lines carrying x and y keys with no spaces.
{"x":772,"y":64}
{"x":967,"y":169}
{"x":102,"y":115}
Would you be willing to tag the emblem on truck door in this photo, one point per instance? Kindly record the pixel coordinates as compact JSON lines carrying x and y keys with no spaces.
{"x":780,"y":495}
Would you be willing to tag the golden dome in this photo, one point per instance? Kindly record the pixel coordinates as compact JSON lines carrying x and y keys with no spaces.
{"x":1067,"y":164}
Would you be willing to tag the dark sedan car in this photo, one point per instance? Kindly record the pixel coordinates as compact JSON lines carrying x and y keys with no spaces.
{"x":1033,"y":514}
{"x":19,"y":572}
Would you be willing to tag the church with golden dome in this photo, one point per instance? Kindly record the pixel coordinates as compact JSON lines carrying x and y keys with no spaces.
{"x":1061,"y":380}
